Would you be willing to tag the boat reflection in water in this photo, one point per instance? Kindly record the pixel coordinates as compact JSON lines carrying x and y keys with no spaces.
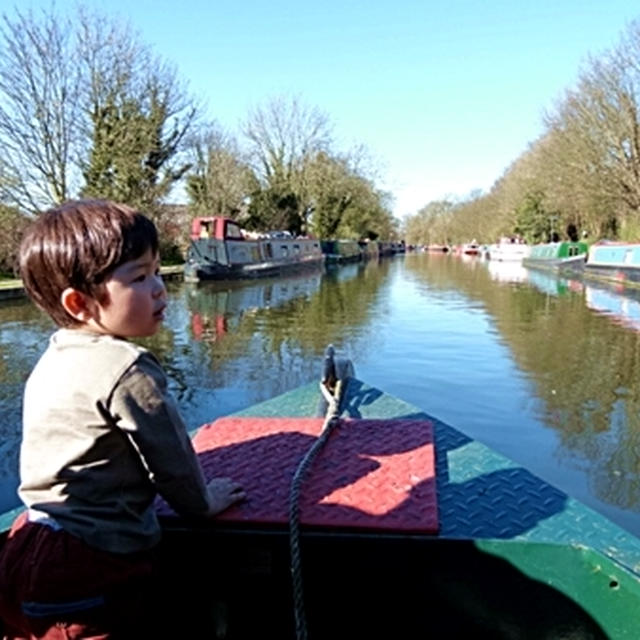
{"x":212,"y":303}
{"x":507,"y":271}
{"x":552,"y":284}
{"x":621,"y":307}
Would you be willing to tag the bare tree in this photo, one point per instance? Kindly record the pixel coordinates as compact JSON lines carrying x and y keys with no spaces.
{"x":87,"y":102}
{"x":595,"y":130}
{"x":39,"y":110}
{"x":138,"y":115}
{"x":281,"y":136}
{"x":220,"y":179}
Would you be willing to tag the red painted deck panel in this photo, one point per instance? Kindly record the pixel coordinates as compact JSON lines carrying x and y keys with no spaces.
{"x":371,"y":474}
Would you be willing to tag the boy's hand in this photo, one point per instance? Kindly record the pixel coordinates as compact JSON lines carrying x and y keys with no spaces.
{"x":223,"y":492}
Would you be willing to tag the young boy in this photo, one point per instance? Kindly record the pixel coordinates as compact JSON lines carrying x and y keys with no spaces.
{"x":101,"y":435}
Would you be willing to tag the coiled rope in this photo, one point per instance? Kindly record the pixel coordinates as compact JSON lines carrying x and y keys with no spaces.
{"x":331,"y":422}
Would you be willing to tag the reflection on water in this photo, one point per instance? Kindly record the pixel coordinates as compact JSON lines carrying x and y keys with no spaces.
{"x":621,"y":307}
{"x":507,"y":271}
{"x":517,"y":358}
{"x":553,"y":284}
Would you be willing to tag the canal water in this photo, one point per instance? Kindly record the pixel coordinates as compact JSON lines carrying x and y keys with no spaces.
{"x":544,"y":370}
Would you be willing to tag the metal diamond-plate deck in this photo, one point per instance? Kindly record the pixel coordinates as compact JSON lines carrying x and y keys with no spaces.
{"x":481,"y":493}
{"x":371,"y":474}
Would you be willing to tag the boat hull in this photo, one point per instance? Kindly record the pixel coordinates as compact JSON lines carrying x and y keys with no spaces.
{"x":508,"y":252}
{"x":617,"y":262}
{"x":342,"y":251}
{"x":566,"y":258}
{"x":211,"y":259}
{"x":513,"y":557}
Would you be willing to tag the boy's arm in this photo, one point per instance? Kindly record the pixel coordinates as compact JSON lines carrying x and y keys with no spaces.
{"x":147,"y":413}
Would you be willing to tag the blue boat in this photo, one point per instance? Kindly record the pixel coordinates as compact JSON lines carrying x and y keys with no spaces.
{"x":369,"y":518}
{"x":616,"y":261}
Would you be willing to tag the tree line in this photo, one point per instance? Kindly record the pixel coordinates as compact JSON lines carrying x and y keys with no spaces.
{"x":582,"y":172}
{"x":87,"y":109}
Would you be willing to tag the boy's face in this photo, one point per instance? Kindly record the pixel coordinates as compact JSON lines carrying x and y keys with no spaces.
{"x":134,"y":300}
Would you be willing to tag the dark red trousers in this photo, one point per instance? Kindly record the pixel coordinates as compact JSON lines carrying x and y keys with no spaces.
{"x":54,"y":586}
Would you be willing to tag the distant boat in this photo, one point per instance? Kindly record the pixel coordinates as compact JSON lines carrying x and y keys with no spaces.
{"x":219,"y":249}
{"x":470,"y":248}
{"x":437,"y":248}
{"x":341,"y":251}
{"x":370,"y":249}
{"x":562,"y":257}
{"x":617,"y":261}
{"x":345,"y":251}
{"x":509,"y":250}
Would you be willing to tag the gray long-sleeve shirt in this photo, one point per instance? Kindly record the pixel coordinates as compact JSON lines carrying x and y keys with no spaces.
{"x":101,"y":437}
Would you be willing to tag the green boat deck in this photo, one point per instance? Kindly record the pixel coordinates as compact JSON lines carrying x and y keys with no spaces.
{"x":507,"y":512}
{"x":514,"y":557}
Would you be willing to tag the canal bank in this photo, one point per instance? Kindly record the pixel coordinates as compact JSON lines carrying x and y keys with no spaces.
{"x":12,"y":289}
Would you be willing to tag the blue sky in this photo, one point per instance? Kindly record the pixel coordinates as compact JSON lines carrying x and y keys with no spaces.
{"x":445,"y":95}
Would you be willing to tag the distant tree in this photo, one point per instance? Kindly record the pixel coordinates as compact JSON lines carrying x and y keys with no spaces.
{"x":330,"y":184}
{"x":282,"y":135}
{"x":40,"y":105}
{"x":534,"y":222}
{"x":86,"y":102}
{"x":219,"y":181}
{"x":138,"y":112}
{"x":346,"y":204}
{"x":595,"y":131}
{"x":431,"y":224}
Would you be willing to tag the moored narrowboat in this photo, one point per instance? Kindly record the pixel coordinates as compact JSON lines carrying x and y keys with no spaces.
{"x":370,"y":249}
{"x":341,"y":251}
{"x":219,"y":249}
{"x":617,"y":261}
{"x":508,"y":249}
{"x":436,"y":248}
{"x":470,"y":248}
{"x":561,"y":257}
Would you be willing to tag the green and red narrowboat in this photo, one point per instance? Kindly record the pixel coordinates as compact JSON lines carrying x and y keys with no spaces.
{"x":219,"y":249}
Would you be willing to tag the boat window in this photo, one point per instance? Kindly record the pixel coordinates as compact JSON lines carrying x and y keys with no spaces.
{"x":233,"y":231}
{"x":296,"y":249}
{"x":268,"y":250}
{"x":285,"y":250}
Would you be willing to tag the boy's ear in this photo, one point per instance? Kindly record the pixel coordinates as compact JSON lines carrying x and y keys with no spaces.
{"x":77,"y":304}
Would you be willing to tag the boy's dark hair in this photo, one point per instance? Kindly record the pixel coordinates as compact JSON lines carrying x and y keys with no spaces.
{"x":79,"y":244}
